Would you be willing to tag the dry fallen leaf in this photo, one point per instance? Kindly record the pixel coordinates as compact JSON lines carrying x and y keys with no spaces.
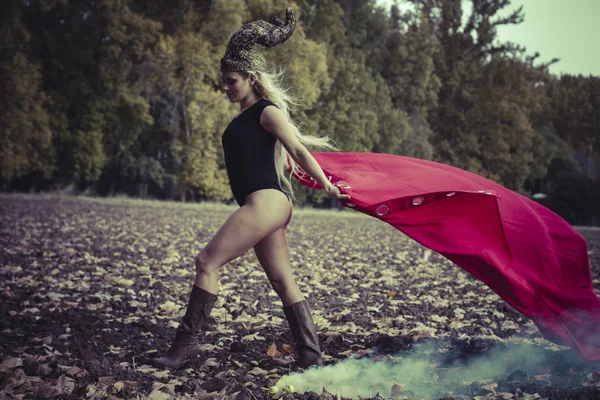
{"x":381,"y":291}
{"x":397,"y":390}
{"x":286,"y":348}
{"x":76,"y":372}
{"x":159,"y":395}
{"x":11,"y":363}
{"x":257,"y":371}
{"x":160,"y":374}
{"x":272,"y":350}
{"x":252,"y":337}
{"x":63,"y":386}
{"x":491,"y":387}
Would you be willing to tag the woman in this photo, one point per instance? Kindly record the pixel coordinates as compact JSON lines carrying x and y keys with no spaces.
{"x":256,"y":143}
{"x":526,"y":253}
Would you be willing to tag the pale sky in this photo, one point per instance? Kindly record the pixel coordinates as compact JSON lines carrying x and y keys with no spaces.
{"x":565,"y":29}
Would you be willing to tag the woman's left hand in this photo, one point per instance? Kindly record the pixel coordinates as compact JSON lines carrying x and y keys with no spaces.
{"x":334,"y":193}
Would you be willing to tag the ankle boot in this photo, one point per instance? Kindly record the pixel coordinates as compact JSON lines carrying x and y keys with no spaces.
{"x":185,"y":345}
{"x":304,"y":333}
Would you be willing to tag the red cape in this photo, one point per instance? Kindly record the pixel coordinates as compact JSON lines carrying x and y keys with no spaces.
{"x":526,"y":253}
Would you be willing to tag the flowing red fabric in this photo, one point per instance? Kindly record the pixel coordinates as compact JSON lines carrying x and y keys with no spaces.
{"x":526,"y":253}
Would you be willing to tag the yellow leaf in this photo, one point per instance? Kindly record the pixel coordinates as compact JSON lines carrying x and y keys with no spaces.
{"x":438,"y":318}
{"x":160,"y":374}
{"x":490,"y":387}
{"x":173,"y":324}
{"x":321,"y":322}
{"x":211,"y":362}
{"x":456,"y":324}
{"x":252,"y":337}
{"x":159,"y":395}
{"x":169,"y":307}
{"x":120,"y":281}
{"x":257,"y":371}
{"x":146,"y":368}
{"x":114,"y":349}
{"x":55,"y":296}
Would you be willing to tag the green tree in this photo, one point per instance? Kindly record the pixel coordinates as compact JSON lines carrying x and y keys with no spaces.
{"x":200,"y":153}
{"x":410,"y":73}
{"x":25,"y":129}
{"x":322,"y":20}
{"x":576,"y":116}
{"x":356,"y":110}
{"x":480,"y":124}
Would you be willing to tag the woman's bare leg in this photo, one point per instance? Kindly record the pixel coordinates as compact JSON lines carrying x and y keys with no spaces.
{"x":273,"y":253}
{"x":274,"y":256}
{"x":264,"y":212}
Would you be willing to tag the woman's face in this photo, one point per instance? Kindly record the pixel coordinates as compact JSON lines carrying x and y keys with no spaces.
{"x":236,"y":85}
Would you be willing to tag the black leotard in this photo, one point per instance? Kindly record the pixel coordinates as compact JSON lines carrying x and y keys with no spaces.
{"x":250,"y":153}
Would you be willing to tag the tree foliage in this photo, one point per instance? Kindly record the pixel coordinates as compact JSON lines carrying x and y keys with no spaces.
{"x":123,"y":95}
{"x":25,"y":130}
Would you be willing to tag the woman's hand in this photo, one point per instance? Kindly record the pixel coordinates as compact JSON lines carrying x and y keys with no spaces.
{"x":334,"y":193}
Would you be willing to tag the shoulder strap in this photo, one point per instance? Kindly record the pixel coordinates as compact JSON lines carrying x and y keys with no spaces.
{"x":264,"y":103}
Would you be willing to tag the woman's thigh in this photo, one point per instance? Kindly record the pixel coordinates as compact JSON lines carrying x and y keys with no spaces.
{"x":264,"y":212}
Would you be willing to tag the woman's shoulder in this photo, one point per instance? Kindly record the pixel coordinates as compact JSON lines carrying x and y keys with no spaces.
{"x":267,"y":102}
{"x":263,"y":104}
{"x":271,"y":117}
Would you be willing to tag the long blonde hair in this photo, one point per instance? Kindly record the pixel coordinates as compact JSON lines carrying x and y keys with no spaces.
{"x":270,"y":86}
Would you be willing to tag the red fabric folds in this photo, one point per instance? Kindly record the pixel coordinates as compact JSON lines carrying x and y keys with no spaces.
{"x":524,"y":252}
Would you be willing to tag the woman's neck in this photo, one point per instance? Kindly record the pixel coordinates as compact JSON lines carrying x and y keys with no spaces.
{"x":248,"y":101}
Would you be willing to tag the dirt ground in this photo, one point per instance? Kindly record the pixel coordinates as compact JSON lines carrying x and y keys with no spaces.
{"x":93,"y":289}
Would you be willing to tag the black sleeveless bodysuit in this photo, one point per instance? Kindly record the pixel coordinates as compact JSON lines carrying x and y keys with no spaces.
{"x":250,"y":153}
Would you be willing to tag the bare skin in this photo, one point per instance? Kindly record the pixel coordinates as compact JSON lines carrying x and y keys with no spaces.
{"x":259,"y":223}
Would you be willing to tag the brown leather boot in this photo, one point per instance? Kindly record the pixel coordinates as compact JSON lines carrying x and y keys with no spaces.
{"x":304,"y":333}
{"x":185,"y":345}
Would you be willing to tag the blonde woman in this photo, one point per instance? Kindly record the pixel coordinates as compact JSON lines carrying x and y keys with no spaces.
{"x":260,"y":144}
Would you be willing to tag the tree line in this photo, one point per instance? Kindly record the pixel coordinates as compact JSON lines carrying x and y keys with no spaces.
{"x":123,"y":96}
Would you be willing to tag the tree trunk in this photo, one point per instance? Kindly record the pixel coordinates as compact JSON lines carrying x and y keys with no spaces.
{"x":142,"y":189}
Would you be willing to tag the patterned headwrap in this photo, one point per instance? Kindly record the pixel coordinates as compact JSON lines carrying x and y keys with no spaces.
{"x":241,"y":57}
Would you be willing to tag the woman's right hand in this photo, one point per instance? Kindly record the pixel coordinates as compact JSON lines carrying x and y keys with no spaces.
{"x":334,"y":193}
